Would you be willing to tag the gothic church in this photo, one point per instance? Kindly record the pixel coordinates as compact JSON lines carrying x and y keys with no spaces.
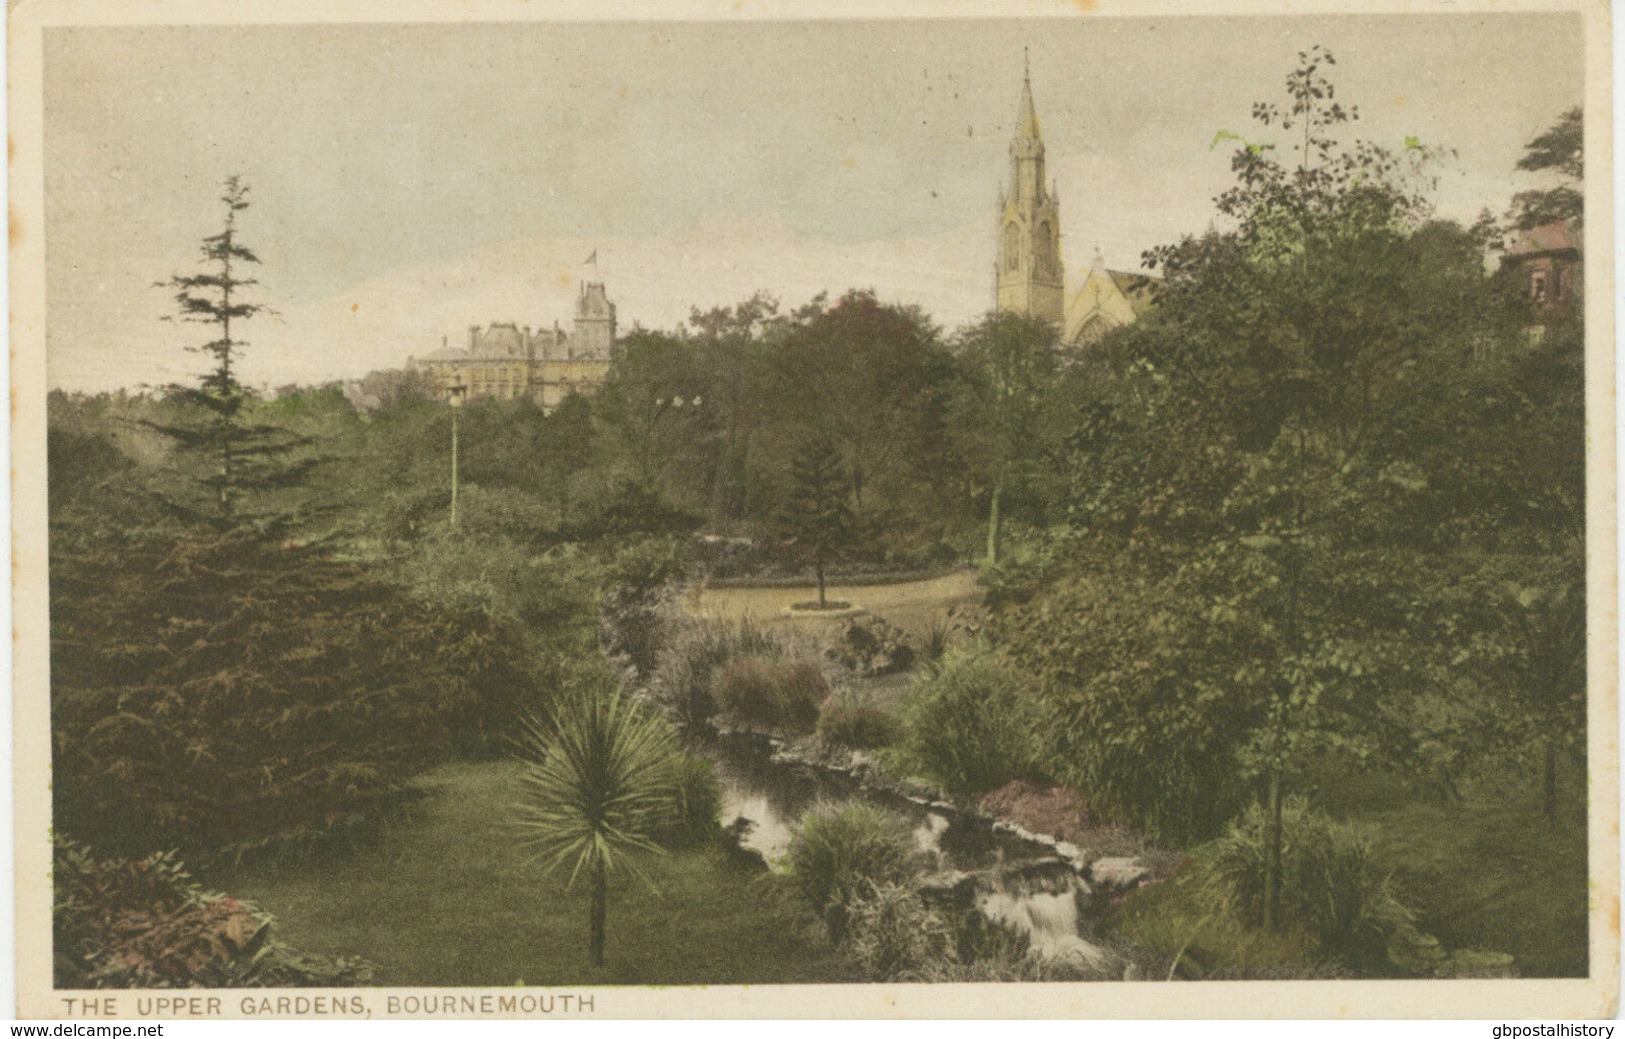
{"x":1029,"y":277}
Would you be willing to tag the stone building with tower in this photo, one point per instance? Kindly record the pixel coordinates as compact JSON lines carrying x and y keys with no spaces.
{"x":508,"y":361}
{"x":1030,"y":274}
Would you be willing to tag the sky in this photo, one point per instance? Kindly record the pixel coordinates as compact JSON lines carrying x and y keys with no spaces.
{"x":409,"y":181}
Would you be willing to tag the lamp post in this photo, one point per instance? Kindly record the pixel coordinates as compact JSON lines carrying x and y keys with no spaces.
{"x":455,"y":397}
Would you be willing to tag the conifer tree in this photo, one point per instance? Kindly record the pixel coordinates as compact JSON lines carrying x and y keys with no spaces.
{"x":239,"y":456}
{"x":816,"y":512}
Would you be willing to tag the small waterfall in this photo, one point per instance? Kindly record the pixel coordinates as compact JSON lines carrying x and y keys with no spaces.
{"x":928,"y":839}
{"x":1040,"y":902}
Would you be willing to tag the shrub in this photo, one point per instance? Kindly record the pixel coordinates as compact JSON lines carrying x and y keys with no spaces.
{"x":777,"y":695}
{"x":1332,"y":884}
{"x":697,"y":805}
{"x":850,"y":720}
{"x":1339,"y":907}
{"x":871,"y":646}
{"x":691,"y":655}
{"x":838,"y":854}
{"x":229,"y":692}
{"x":894,"y":935}
{"x":143,"y":923}
{"x":973,"y":725}
{"x":801,"y":689}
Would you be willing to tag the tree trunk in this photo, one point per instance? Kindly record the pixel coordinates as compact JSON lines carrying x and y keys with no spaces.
{"x":1549,"y":800}
{"x":818,"y":567}
{"x":993,"y":526}
{"x":1272,"y":854}
{"x":600,"y":896}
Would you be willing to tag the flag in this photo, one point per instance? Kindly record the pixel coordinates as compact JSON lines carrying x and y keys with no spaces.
{"x":593,"y":259}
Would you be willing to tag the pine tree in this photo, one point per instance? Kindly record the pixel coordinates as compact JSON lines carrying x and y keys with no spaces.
{"x":816,"y":513}
{"x":240,"y":457}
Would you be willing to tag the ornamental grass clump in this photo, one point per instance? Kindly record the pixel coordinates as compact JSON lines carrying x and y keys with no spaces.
{"x":849,"y":719}
{"x":1333,"y":885}
{"x":839,"y":854}
{"x":693,"y":653}
{"x":974,"y":724}
{"x":778,"y":695}
{"x":895,"y":936}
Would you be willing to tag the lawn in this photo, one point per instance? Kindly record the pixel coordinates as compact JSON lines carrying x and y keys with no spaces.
{"x":448,"y":896}
{"x":914,"y":606}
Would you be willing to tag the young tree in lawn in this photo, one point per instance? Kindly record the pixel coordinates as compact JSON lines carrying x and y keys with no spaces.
{"x":815,"y":513}
{"x":240,"y":456}
{"x":601,"y":784}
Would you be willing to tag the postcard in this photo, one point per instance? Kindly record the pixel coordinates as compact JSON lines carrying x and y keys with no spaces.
{"x":563,"y":510}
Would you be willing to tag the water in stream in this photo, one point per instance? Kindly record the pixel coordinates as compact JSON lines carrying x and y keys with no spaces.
{"x":1016,"y":884}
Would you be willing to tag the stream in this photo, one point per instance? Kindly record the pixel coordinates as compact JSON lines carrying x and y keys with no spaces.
{"x":1018,"y":884}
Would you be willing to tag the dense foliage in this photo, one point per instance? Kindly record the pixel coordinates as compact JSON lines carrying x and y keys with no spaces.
{"x":1300,"y":488}
{"x":224,"y":691}
{"x":144,"y":923}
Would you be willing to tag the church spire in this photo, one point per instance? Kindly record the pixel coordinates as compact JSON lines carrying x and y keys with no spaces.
{"x":1027,"y":117}
{"x":1029,"y":277}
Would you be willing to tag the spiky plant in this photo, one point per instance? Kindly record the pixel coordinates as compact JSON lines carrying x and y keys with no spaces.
{"x":601,"y":782}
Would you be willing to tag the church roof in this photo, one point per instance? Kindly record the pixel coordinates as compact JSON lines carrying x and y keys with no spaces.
{"x":1138,"y":288}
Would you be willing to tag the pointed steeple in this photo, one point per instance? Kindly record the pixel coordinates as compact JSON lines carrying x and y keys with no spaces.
{"x":1029,"y":279}
{"x":1027,"y":115}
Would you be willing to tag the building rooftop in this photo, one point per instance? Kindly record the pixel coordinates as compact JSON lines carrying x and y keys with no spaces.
{"x":1558,"y":236}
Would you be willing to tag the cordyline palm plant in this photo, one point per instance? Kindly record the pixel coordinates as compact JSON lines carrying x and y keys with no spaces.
{"x":601,"y":781}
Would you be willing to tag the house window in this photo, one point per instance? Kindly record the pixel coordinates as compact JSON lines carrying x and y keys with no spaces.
{"x":1537,"y":286}
{"x":1012,"y":246}
{"x":1557,"y":283}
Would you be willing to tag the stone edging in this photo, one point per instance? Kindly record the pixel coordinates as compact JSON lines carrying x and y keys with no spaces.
{"x":1110,"y":876}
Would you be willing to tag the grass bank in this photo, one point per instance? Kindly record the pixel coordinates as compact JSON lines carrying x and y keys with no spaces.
{"x":447,"y":896}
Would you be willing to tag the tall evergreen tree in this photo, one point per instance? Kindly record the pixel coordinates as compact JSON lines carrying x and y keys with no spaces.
{"x":238,"y":455}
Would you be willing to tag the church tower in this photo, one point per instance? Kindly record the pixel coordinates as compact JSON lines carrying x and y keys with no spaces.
{"x":1028,"y":279}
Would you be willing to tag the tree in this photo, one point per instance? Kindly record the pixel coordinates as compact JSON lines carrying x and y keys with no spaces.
{"x":729,"y":342}
{"x":601,"y":783}
{"x":230,"y":692}
{"x":866,"y":377}
{"x":1560,"y":150}
{"x":1243,"y":595}
{"x":240,"y":456}
{"x":1008,"y":368}
{"x":815,"y":512}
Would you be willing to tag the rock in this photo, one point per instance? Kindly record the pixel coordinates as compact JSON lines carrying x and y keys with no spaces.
{"x":1118,"y":874}
{"x":1068,"y":850}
